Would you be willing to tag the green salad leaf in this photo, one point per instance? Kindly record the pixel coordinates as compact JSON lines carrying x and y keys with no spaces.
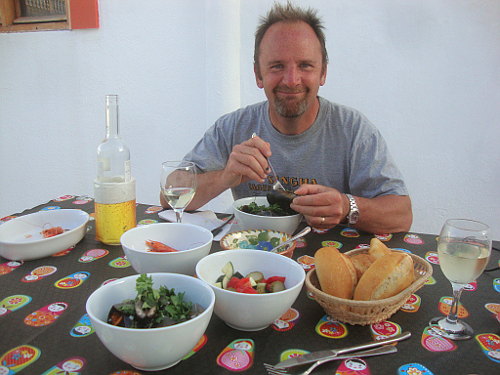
{"x":261,"y":210}
{"x":157,"y":305}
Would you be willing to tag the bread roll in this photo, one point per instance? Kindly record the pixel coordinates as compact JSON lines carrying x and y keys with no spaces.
{"x":335,"y":272}
{"x":361,"y":263}
{"x":378,"y":248}
{"x":386,"y":277}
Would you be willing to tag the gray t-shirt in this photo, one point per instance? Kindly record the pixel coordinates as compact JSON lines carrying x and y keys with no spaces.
{"x":342,"y":149}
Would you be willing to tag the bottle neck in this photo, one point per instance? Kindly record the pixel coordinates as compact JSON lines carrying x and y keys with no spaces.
{"x":111,"y":116}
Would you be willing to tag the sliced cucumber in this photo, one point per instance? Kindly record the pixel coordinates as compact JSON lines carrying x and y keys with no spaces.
{"x":225,"y":280}
{"x":256,"y":275}
{"x":276,"y":286}
{"x":219,"y":279}
{"x":228,"y":269}
{"x":261,"y":288}
{"x":238,"y":275}
{"x":218,"y":284}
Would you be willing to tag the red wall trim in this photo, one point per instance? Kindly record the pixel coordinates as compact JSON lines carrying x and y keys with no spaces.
{"x":84,"y":14}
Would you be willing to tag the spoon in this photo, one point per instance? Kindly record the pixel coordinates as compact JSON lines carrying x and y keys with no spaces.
{"x":302,"y":233}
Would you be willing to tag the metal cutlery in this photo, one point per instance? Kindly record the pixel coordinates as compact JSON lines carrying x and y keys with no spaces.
{"x":302,"y":233}
{"x":218,"y":229}
{"x":299,"y":370}
{"x":277,"y":185}
{"x":313,"y":357}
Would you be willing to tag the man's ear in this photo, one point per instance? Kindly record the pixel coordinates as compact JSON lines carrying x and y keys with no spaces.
{"x":258,"y":77}
{"x":323,"y":76}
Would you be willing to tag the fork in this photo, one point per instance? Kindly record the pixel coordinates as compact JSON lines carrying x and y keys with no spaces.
{"x":299,"y":369}
{"x":277,"y":185}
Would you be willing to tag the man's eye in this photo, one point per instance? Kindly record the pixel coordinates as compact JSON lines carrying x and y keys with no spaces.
{"x":276,"y":67}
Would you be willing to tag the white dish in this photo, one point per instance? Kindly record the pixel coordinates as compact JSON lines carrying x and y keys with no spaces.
{"x":252,"y":312}
{"x":287,"y":224}
{"x":192,"y":241}
{"x":21,"y":238}
{"x":151,"y":349}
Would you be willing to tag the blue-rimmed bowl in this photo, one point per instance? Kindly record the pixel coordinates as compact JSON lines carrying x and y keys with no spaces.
{"x":258,"y":239}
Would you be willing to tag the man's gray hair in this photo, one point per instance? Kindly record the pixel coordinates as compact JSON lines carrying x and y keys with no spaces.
{"x":290,"y":13}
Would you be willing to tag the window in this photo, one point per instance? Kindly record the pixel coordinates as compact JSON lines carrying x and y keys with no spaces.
{"x":33,"y":15}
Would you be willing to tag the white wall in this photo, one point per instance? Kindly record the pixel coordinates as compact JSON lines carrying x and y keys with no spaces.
{"x":425,"y":72}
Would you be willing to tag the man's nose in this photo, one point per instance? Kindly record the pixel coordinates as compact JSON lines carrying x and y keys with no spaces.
{"x":291,"y":76}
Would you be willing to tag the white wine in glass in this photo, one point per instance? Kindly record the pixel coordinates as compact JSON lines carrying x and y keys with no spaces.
{"x":464,"y":248}
{"x":178,"y":185}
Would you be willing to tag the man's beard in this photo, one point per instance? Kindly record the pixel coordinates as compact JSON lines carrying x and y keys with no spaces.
{"x":290,"y":108}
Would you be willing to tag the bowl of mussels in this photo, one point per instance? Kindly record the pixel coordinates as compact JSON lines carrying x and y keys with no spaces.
{"x":151,"y":321}
{"x":259,"y":213}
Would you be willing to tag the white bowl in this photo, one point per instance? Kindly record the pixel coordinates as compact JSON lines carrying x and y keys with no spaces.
{"x":21,"y":238}
{"x":252,"y":312}
{"x":192,"y":241}
{"x":287,"y":224}
{"x":150,"y":349}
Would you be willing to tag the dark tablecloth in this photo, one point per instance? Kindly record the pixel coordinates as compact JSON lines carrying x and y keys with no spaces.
{"x":59,"y":342}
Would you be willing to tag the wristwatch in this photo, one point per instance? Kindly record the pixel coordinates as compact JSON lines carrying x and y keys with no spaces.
{"x":353,"y":215}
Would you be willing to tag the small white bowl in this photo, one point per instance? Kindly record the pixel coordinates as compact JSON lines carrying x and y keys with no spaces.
{"x":192,"y":241}
{"x":287,"y":224}
{"x":252,"y":312}
{"x":151,"y":349}
{"x":21,"y":238}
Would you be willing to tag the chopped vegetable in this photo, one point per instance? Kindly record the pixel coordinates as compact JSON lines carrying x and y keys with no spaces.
{"x":261,"y":210}
{"x":256,"y":275}
{"x":252,"y":283}
{"x":152,"y":308}
{"x":228,"y":269}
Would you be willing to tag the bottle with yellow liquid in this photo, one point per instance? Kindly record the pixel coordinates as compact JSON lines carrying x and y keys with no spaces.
{"x":114,"y":186}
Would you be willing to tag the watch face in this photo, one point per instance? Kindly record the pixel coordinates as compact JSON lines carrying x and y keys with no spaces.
{"x":353,"y":217}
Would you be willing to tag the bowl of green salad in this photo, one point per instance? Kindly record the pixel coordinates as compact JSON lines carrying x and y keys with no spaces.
{"x":257,"y":213}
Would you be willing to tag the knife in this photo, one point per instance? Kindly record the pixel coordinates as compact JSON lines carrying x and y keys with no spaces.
{"x":315,"y":356}
{"x":218,"y":229}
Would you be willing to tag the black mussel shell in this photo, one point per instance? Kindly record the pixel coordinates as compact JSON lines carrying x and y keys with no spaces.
{"x":282,"y":198}
{"x":118,"y":318}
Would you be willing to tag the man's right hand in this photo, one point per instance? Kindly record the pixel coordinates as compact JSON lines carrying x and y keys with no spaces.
{"x":247,"y":161}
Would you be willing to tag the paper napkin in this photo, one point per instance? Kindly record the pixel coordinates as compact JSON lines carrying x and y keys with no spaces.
{"x":205,"y":219}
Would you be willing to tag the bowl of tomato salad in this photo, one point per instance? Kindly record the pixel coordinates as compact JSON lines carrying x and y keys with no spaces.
{"x":166,"y":247}
{"x":252,"y":288}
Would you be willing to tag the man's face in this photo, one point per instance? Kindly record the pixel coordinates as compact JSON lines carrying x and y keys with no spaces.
{"x":290,"y":68}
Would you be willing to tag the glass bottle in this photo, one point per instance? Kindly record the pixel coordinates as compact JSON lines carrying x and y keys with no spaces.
{"x":114,"y":186}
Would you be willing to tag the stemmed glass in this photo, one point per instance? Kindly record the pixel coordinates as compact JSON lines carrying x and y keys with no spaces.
{"x":464,"y":248}
{"x":178,"y":185}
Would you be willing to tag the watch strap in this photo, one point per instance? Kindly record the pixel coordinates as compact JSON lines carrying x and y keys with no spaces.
{"x":353,"y":215}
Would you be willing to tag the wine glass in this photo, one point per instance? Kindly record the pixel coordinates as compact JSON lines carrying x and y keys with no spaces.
{"x":464,"y":248}
{"x":178,"y":185}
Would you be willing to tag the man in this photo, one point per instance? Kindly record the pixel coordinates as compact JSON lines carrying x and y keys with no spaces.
{"x":330,"y":155}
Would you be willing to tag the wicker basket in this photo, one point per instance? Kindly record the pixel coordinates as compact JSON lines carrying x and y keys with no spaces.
{"x":367,"y":312}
